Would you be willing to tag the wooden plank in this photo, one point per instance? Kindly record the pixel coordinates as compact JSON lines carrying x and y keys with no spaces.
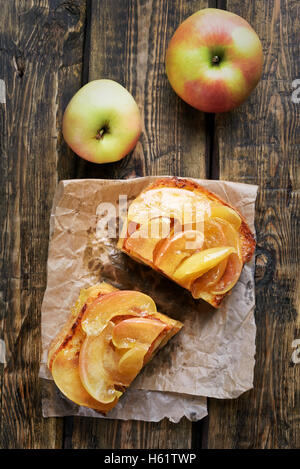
{"x":128,"y":41}
{"x":2,"y":221}
{"x":109,"y":434}
{"x":258,"y":144}
{"x":41,"y":46}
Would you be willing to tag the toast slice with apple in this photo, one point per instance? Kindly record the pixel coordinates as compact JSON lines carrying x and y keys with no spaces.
{"x":190,"y":235}
{"x":108,"y":338}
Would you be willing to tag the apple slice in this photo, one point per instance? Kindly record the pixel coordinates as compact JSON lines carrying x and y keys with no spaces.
{"x":235,"y":261}
{"x":214,"y":237}
{"x":72,"y":326}
{"x":132,"y":362}
{"x":231,"y":235}
{"x":200,"y":262}
{"x":214,"y":282}
{"x":98,"y":381}
{"x":88,"y":295}
{"x":209,"y":279}
{"x":173,"y":251}
{"x":180,"y":204}
{"x":65,"y":372}
{"x":230,"y":277}
{"x":227,"y":214}
{"x":142,"y":330}
{"x":144,"y":240}
{"x":119,"y":303}
{"x":116,"y":355}
{"x":128,"y":228}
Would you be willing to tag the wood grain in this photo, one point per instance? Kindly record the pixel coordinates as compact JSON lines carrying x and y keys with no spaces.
{"x":259,"y":143}
{"x":109,"y":434}
{"x":41,"y":45}
{"x":128,"y":41}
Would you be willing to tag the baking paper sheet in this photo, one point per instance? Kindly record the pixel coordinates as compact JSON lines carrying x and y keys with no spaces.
{"x":136,"y":404}
{"x":213,"y":355}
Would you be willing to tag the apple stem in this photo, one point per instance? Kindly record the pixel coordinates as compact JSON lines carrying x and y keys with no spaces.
{"x":215,"y":59}
{"x":100,"y":134}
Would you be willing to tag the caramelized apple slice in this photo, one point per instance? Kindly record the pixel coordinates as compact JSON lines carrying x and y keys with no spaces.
{"x":116,"y":355}
{"x":132,"y":362}
{"x":160,"y":341}
{"x":235,"y":263}
{"x":97,"y":380}
{"x":227,"y":214}
{"x":231,"y":235}
{"x":173,"y":251}
{"x":200,"y":262}
{"x":214,"y":237}
{"x":142,"y":330}
{"x":230,"y":277}
{"x":72,"y":326}
{"x":209,"y":279}
{"x":88,"y":295}
{"x":180,"y":204}
{"x":143,"y":241}
{"x":65,"y":372}
{"x":230,"y":272}
{"x":119,"y":303}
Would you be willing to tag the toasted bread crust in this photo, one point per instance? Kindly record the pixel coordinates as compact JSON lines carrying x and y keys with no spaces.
{"x":246,"y":236}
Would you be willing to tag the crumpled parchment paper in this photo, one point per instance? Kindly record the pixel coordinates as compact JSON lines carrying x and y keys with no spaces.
{"x":213,"y":355}
{"x":136,"y":404}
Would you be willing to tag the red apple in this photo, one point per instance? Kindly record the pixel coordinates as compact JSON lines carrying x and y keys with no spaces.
{"x":214,"y":60}
{"x":102,"y":122}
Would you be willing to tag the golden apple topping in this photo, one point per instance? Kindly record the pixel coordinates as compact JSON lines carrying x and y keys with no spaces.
{"x":190,"y":235}
{"x":109,"y":337}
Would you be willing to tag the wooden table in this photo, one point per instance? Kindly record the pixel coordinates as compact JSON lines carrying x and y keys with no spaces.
{"x":49,"y":48}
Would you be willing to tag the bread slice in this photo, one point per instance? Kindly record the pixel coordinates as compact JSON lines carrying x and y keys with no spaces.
{"x":108,"y":338}
{"x":210,"y":275}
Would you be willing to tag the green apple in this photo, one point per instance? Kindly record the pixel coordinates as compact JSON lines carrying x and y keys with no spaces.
{"x":102,"y":122}
{"x":214,"y":60}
